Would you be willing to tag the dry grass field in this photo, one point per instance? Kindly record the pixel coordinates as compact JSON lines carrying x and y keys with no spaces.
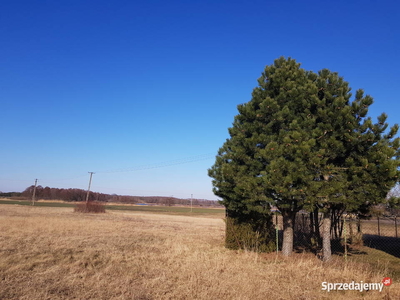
{"x":54,"y":253}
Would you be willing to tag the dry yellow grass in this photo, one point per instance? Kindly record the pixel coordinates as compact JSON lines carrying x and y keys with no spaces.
{"x":53,"y":253}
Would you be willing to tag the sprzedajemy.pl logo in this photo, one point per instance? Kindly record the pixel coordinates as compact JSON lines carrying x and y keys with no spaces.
{"x":356,"y":286}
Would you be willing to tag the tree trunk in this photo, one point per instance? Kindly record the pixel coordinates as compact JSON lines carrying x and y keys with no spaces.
{"x":334,"y":224}
{"x":326,"y":238}
{"x":288,"y":231}
{"x":351,"y":228}
{"x":341,"y":225}
{"x":316,"y":222}
{"x":314,"y":228}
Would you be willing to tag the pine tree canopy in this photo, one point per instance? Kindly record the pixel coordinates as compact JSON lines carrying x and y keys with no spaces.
{"x":302,"y":141}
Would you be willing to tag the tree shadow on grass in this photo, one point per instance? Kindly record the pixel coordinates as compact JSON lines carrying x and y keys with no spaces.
{"x":302,"y":244}
{"x":390,"y":245}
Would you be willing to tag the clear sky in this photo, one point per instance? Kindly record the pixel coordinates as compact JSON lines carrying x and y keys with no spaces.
{"x":142,"y":92}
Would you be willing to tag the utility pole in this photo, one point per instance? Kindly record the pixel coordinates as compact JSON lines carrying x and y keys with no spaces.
{"x":34,"y":193}
{"x":90,"y":182}
{"x":191,"y":202}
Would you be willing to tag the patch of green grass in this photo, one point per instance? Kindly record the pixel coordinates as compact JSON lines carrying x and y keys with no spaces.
{"x":167,"y":209}
{"x":145,"y":208}
{"x":37,"y":203}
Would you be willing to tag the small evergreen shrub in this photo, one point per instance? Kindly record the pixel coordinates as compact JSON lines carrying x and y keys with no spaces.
{"x":254,"y":235}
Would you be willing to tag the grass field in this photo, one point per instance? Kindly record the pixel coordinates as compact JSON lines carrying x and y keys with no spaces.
{"x":139,"y":208}
{"x":54,"y":253}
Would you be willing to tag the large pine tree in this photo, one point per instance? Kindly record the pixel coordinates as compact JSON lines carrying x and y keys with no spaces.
{"x":301,"y":143}
{"x":358,"y":161}
{"x":267,"y":158}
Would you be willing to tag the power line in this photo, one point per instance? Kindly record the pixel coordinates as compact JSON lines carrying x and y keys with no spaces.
{"x":64,"y":179}
{"x":180,"y":161}
{"x":24,"y":180}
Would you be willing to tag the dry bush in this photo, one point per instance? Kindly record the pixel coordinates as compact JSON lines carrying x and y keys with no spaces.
{"x":53,"y":253}
{"x":90,"y":207}
{"x":242,"y":235}
{"x":357,"y":239}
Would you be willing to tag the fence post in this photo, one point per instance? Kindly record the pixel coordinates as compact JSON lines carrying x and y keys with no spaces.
{"x":277,"y":232}
{"x":379,"y":228}
{"x":345,"y":239}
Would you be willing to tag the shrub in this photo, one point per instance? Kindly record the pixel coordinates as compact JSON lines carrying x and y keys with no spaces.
{"x":90,"y":207}
{"x":254,"y":235}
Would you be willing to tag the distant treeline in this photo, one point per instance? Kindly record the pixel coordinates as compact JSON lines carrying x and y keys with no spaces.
{"x":75,"y":195}
{"x":10,"y":194}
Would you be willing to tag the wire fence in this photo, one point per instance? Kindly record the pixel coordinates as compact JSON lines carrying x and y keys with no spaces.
{"x":349,"y":235}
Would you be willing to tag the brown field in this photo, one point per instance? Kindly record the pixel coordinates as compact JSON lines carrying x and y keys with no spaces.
{"x":54,"y":253}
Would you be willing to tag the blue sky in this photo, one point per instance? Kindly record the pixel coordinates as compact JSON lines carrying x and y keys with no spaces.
{"x":142,"y":92}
